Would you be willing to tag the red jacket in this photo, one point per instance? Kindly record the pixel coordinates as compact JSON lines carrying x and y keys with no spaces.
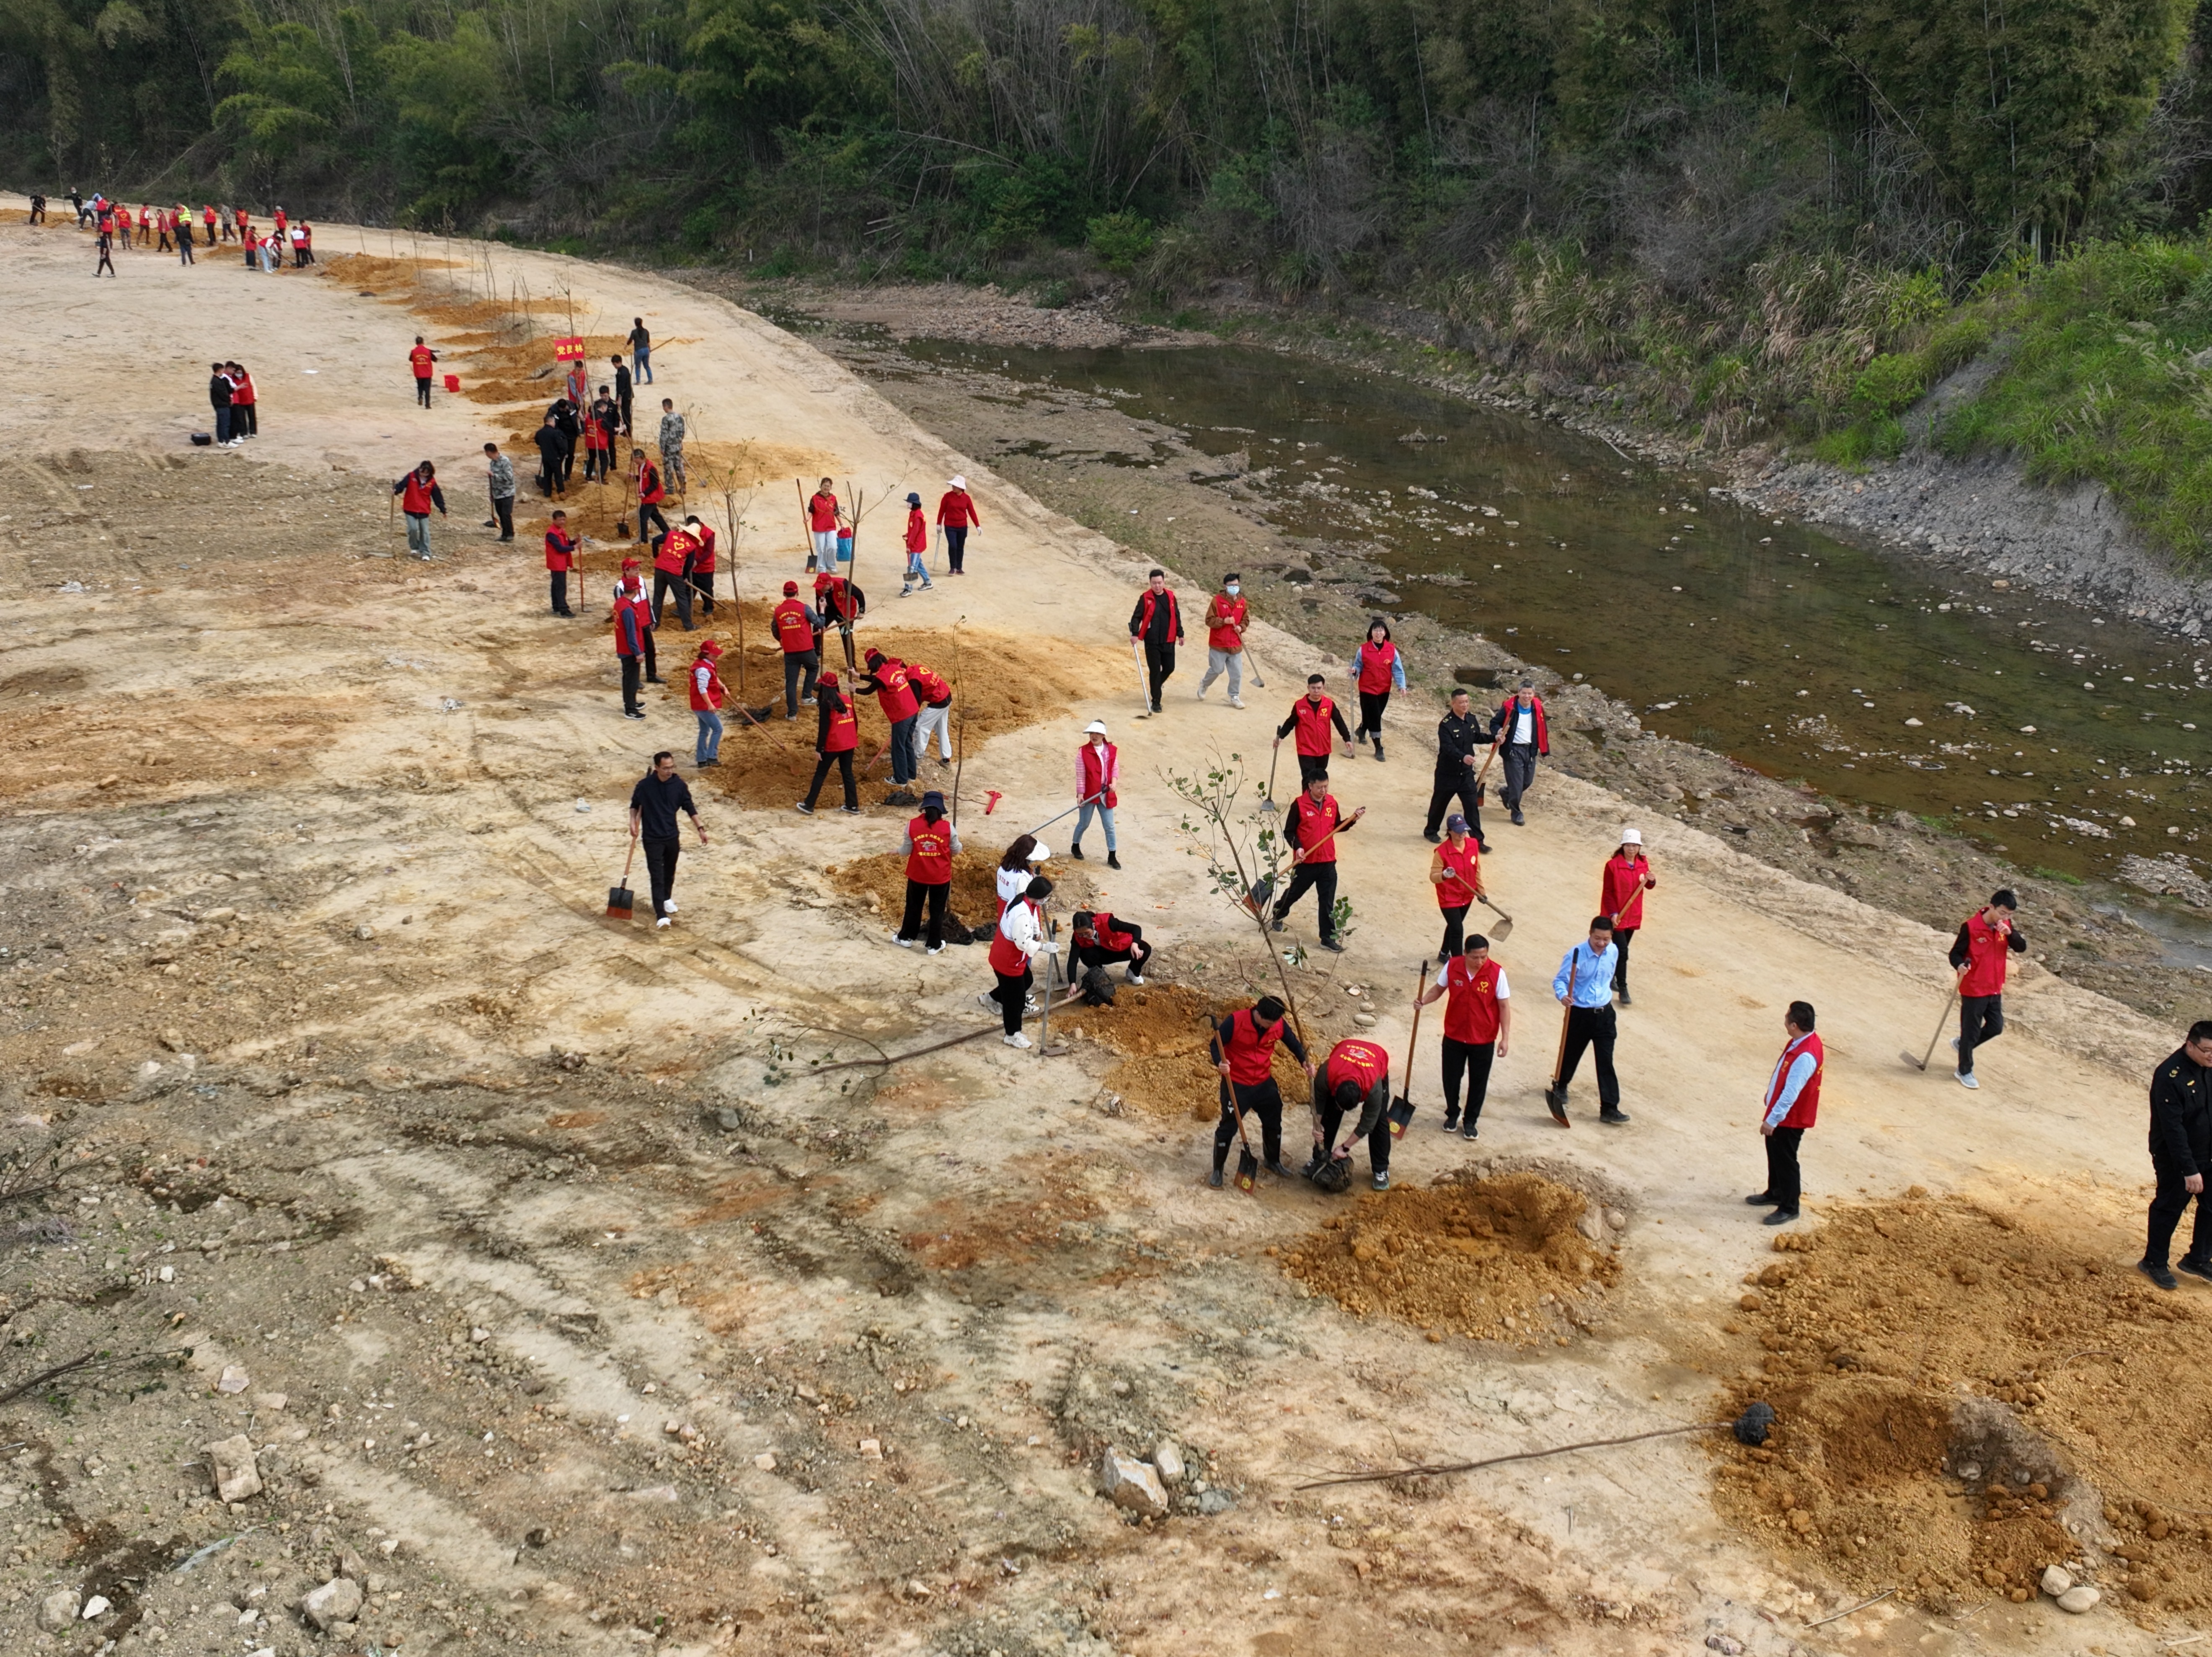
{"x":649,"y":492}
{"x":674,"y":557}
{"x":930,"y":862}
{"x":917,"y":531}
{"x":1466,"y":864}
{"x":821,"y":511}
{"x":1375,"y":663}
{"x":1471,"y":1001}
{"x":1511,"y":711}
{"x":794,"y":631}
{"x":1096,"y":769}
{"x":1986,"y":949}
{"x":560,"y":550}
{"x":1224,"y":622}
{"x":1354,"y":1060}
{"x":705,"y":685}
{"x":1806,"y":1108}
{"x":702,"y":561}
{"x":955,"y":509}
{"x":1621,"y":892}
{"x":1312,"y":827}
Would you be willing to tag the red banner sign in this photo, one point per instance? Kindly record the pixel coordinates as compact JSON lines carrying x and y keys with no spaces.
{"x":568,"y":349}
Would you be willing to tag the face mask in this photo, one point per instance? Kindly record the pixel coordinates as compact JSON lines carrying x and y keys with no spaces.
{"x":1232,"y":589}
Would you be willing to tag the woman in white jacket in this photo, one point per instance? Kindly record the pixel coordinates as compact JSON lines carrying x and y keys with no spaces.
{"x":1018,"y":940}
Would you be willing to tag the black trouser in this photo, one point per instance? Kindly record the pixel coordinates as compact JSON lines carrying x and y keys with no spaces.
{"x":1591,"y":1027}
{"x":648,"y":512}
{"x":1519,"y":774}
{"x":184,"y":250}
{"x":1378,"y":1137}
{"x":1081,"y":957}
{"x":1009,"y":995}
{"x":1474,"y":1060}
{"x":1159,"y":666}
{"x":660,"y":857}
{"x":844,"y":763}
{"x":625,"y":403}
{"x":421,"y":388}
{"x":666,"y":582}
{"x":1371,"y":704}
{"x":796,"y":663}
{"x":934,"y":893}
{"x":549,"y":472}
{"x":1310,"y":767}
{"x":1321,"y":878}
{"x":652,"y":659}
{"x":2165,"y":1208}
{"x":629,"y":680}
{"x":502,"y":508}
{"x":1981,"y":1018}
{"x":955,"y":547}
{"x":596,"y":464}
{"x":1783,"y":1183}
{"x":245,"y":412}
{"x":1261,"y":1099}
{"x":567,"y":462}
{"x":1455,"y":930}
{"x":1622,"y":938}
{"x":1457,"y":783}
{"x":703,"y":583}
{"x":558,"y":579}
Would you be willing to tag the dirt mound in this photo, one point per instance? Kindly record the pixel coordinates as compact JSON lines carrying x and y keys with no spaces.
{"x":1160,"y":1032}
{"x":879,"y":883}
{"x":2074,"y":1376}
{"x":1500,"y":1258}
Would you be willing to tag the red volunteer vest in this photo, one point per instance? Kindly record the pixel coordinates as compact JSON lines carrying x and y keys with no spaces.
{"x":1224,"y":622}
{"x":926,"y":685}
{"x":675,"y":547}
{"x":894,"y":695}
{"x":1093,"y":766}
{"x":705,"y":686}
{"x":930,"y":860}
{"x":1622,"y":893}
{"x":417,"y":499}
{"x":1314,"y":718}
{"x":633,"y":617}
{"x":649,"y":492}
{"x":787,"y":621}
{"x":1375,"y":662}
{"x":1109,"y":935}
{"x":844,"y":729}
{"x":1309,"y":822}
{"x":1251,"y":1052}
{"x":1471,"y":1001}
{"x":1509,"y":715}
{"x":821,"y":512}
{"x":1986,"y":949}
{"x":1354,"y":1060}
{"x":1148,"y":605}
{"x":1807,"y":1109}
{"x":420,"y":359}
{"x":1466,"y":864}
{"x":560,"y":551}
{"x":1005,"y":959}
{"x":702,"y":561}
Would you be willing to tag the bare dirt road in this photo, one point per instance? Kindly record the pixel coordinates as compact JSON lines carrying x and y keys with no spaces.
{"x":562,"y":1293}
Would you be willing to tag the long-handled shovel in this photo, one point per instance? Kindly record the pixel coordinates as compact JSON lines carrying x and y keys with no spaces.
{"x":1556,"y":1095}
{"x":1922,"y":1062}
{"x":1144,"y":679}
{"x":1253,"y":662}
{"x":1401,"y":1113}
{"x":1502,"y":928}
{"x":1267,"y":806}
{"x":621,"y":900}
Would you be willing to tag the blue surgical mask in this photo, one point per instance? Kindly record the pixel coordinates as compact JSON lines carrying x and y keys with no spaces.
{"x":1232,"y":589}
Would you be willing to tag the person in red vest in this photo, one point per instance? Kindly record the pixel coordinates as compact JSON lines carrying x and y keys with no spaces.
{"x":106,"y":247}
{"x":822,"y":516}
{"x":560,"y":559}
{"x":1020,"y":939}
{"x":164,"y":222}
{"x":633,"y":619}
{"x":599,"y":446}
{"x":1978,"y":955}
{"x":1353,"y":1083}
{"x":936,"y":715}
{"x":702,"y":561}
{"x":930,"y":845}
{"x":1478,"y":1028}
{"x":1520,"y":733}
{"x":1100,"y":940}
{"x":421,"y":361}
{"x":1098,"y":768}
{"x":207,"y":217}
{"x":840,"y":604}
{"x":245,"y":403}
{"x":1378,"y":669}
{"x":1456,"y":872}
{"x":704,"y":682}
{"x":1627,"y":876}
{"x":1226,"y":614}
{"x":1310,"y":717}
{"x":917,"y":544}
{"x":650,"y":494}
{"x":894,"y":698}
{"x":671,"y":571}
{"x":1793,"y":1103}
{"x":280,"y":223}
{"x":1157,"y":621}
{"x":837,"y":733}
{"x":1315,"y":826}
{"x":418,"y":492}
{"x":798,"y":633}
{"x":1243,"y":1051}
{"x":956,"y":516}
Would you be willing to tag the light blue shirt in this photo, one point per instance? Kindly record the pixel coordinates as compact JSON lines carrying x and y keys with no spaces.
{"x":1593,"y":973}
{"x":1397,"y":670}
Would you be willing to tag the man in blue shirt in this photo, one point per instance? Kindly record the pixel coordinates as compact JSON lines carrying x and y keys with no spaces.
{"x":1584,"y":986}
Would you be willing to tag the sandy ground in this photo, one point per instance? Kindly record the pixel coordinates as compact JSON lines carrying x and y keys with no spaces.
{"x":568,"y":1302}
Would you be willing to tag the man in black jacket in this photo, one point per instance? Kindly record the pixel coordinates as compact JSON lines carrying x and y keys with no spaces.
{"x":2180,"y":1151}
{"x":1460,"y":733}
{"x":654,"y":804}
{"x":570,"y":421}
{"x":219,"y":391}
{"x":1158,"y":621}
{"x":623,"y":392}
{"x":552,"y":448}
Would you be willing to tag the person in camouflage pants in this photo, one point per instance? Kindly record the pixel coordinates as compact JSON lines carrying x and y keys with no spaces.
{"x":671,"y":445}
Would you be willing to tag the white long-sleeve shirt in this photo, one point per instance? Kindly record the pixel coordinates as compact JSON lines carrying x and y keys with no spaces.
{"x":1018,"y":926}
{"x":1801,"y":1071}
{"x":1012,"y":883}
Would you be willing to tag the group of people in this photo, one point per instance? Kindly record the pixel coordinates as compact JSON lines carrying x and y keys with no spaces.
{"x":235,"y":404}
{"x":165,"y":229}
{"x":831,"y":530}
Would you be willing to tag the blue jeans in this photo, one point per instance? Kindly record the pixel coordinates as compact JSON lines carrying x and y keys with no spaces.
{"x":418,"y":533}
{"x":641,"y":361}
{"x":710,"y":735}
{"x":1105,"y":815}
{"x":903,"y":766}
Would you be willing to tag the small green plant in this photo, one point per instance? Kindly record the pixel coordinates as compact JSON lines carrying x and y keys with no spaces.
{"x":2059,"y":874}
{"x":1120,"y":239}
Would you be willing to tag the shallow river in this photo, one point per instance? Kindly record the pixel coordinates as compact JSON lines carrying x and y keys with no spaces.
{"x":2064,"y":738}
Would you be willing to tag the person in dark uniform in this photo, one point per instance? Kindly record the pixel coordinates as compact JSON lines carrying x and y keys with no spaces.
{"x":1460,"y":734}
{"x":1243,"y":1049}
{"x":2180,"y":1151}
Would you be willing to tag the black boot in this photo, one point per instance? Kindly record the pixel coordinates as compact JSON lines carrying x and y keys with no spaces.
{"x":1113,"y":860}
{"x":1075,"y":850}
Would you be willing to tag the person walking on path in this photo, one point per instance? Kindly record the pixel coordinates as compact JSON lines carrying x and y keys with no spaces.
{"x":1316,"y":824}
{"x":1478,"y":1028}
{"x":1098,"y":939}
{"x":798,"y":633}
{"x":1378,"y":669}
{"x":2180,"y":1151}
{"x":1227,"y":617}
{"x":1459,"y":734}
{"x":552,"y":447}
{"x":418,"y":492}
{"x":184,"y":241}
{"x":1158,"y":621}
{"x":1244,"y":1051}
{"x":106,"y":255}
{"x":931,"y":842}
{"x":672,"y":572}
{"x":220,"y":393}
{"x":560,"y":559}
{"x":1353,"y":1083}
{"x":633,"y":619}
{"x":936,"y":715}
{"x":1621,"y":887}
{"x":1456,"y":872}
{"x":894,"y":700}
{"x":671,"y":444}
{"x":641,"y":349}
{"x":1018,"y":940}
{"x":837,"y":733}
{"x":1979,"y":956}
{"x":917,"y":545}
{"x":650,"y":493}
{"x":1519,"y":731}
{"x":704,"y":682}
{"x":822,"y":515}
{"x":654,"y":804}
{"x":421,"y":361}
{"x":1793,"y":1103}
{"x":956,"y":516}
{"x":245,"y":403}
{"x":624,"y":394}
{"x":1310,"y":718}
{"x":499,"y":480}
{"x":1098,"y":768}
{"x":1584,"y":986}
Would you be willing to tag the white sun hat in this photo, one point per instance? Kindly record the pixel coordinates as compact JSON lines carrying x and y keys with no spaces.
{"x":1631,"y":837}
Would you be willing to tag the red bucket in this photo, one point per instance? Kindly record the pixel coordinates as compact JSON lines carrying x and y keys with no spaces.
{"x":452,"y":382}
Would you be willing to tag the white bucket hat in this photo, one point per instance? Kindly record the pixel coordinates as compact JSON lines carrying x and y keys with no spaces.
{"x":1096,"y":727}
{"x":959,"y":482}
{"x":1040,"y":853}
{"x":1631,"y":837}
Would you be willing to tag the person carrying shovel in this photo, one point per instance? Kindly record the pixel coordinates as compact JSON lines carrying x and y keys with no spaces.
{"x":1315,"y":823}
{"x":1157,"y":624}
{"x":1243,"y":1051}
{"x":1455,"y":871}
{"x":1477,"y":1027}
{"x":1627,"y":876}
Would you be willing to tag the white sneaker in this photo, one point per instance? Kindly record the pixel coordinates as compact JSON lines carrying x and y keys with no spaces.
{"x":668,"y":907}
{"x":988,"y":1002}
{"x":1201,"y":693}
{"x":1967,"y":1082}
{"x":934,"y":949}
{"x":1236,"y":702}
{"x":1017,"y":1040}
{"x":904,"y":942}
{"x":1135,"y":978}
{"x":664,"y":921}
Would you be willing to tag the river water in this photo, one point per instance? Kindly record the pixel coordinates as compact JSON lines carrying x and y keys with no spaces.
{"x":2064,"y":738}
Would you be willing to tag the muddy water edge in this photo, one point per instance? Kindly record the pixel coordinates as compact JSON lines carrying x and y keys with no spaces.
{"x":1905,"y":733}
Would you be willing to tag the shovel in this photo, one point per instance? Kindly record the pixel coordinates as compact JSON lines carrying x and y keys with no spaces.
{"x":1401,"y":1113}
{"x":1556,"y":1095}
{"x":1267,"y":806}
{"x":1144,"y":680}
{"x":621,"y":900}
{"x":1503,"y":928}
{"x":1922,"y":1062}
